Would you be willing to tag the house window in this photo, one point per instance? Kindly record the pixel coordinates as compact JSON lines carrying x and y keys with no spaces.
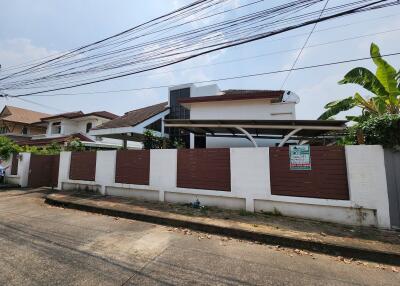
{"x":24,"y":130}
{"x":4,"y":129}
{"x":56,"y":128}
{"x":88,"y":126}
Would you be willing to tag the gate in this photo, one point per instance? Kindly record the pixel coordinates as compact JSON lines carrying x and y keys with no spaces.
{"x":43,"y":171}
{"x":392,"y":166}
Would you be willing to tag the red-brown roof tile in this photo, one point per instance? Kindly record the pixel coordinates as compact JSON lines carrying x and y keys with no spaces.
{"x":237,"y":94}
{"x":79,"y":114}
{"x":21,"y":115}
{"x":47,"y":141}
{"x":134,"y":117}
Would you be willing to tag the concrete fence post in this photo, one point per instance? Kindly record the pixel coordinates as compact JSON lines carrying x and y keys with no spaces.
{"x":163,"y":168}
{"x":23,"y":168}
{"x":367,"y":180}
{"x":250,"y":174}
{"x":105,"y":169}
{"x":63,"y":171}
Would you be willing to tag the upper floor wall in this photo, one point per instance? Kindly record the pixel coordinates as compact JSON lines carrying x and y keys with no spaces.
{"x":209,"y":102}
{"x":63,"y":127}
{"x":261,"y":109}
{"x":20,"y":129}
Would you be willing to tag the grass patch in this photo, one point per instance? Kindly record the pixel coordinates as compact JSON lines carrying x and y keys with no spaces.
{"x":243,"y":212}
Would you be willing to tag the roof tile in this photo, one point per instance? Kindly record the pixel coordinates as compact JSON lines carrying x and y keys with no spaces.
{"x":134,"y":117}
{"x":79,"y":114}
{"x":237,"y":94}
{"x":22,"y":115}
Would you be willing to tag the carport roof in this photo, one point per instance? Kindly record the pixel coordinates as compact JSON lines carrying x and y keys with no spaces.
{"x":304,"y":128}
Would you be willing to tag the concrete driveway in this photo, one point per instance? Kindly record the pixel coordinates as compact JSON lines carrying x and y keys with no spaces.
{"x":44,"y":245}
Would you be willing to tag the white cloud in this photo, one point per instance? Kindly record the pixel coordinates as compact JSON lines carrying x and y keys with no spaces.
{"x":20,"y":51}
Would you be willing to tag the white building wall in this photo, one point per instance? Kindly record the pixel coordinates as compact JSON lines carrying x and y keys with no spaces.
{"x":231,"y":142}
{"x":195,"y":91}
{"x":261,"y":109}
{"x":82,"y":122}
{"x":205,"y":90}
{"x":68,"y":127}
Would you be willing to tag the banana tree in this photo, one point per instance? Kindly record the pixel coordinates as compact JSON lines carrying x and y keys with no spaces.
{"x":385,"y":85}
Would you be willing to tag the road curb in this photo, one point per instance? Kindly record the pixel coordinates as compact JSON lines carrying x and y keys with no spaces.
{"x":239,"y":233}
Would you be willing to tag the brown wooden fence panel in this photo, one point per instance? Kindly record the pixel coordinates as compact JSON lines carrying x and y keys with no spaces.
{"x":14,"y":164}
{"x":133,"y":167}
{"x":83,"y":166}
{"x":327,"y":179}
{"x":204,"y":169}
{"x":43,"y":171}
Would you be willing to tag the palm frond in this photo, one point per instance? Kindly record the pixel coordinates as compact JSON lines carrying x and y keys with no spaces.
{"x":336,"y":107}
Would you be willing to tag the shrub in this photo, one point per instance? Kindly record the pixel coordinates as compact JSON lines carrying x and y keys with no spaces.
{"x":7,"y":147}
{"x":74,"y":144}
{"x":378,"y":130}
{"x":152,"y":141}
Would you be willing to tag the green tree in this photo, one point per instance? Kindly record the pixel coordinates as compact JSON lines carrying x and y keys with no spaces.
{"x":7,"y":147}
{"x":382,"y":130}
{"x":151,"y":141}
{"x":384,"y":84}
{"x":53,"y":149}
{"x":75,"y":145}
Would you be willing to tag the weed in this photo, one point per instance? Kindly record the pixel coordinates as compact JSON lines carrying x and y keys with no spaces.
{"x":243,"y":212}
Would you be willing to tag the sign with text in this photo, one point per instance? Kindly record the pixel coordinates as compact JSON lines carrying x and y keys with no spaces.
{"x":300,"y":157}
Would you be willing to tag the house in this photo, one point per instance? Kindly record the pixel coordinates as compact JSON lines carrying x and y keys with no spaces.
{"x":208,"y":117}
{"x":131,"y":126}
{"x":20,"y":123}
{"x":62,"y":127}
{"x":232,"y":104}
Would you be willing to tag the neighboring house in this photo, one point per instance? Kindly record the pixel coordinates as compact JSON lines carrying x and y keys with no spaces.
{"x":131,"y":125}
{"x":63,"y":127}
{"x":211,"y":107}
{"x":20,"y":124}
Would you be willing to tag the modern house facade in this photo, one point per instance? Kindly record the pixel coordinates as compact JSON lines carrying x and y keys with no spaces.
{"x":238,"y":105}
{"x":208,"y":117}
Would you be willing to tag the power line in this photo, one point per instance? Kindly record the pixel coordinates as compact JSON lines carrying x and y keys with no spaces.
{"x":226,"y":78}
{"x":40,"y":104}
{"x":267,"y":54}
{"x":32,"y":62}
{"x":304,"y":45}
{"x":152,"y":55}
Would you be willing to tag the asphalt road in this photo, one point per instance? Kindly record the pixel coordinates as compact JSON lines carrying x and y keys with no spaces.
{"x":44,"y":245}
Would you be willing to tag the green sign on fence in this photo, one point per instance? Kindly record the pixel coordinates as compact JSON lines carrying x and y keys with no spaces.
{"x":300,"y":157}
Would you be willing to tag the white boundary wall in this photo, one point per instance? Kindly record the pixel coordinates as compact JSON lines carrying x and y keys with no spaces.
{"x":250,"y":186}
{"x":21,"y":178}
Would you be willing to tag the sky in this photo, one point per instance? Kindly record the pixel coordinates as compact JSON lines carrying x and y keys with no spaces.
{"x":34,"y":29}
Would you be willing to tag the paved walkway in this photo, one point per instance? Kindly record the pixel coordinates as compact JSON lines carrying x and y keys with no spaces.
{"x":351,"y":242}
{"x":45,"y":245}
